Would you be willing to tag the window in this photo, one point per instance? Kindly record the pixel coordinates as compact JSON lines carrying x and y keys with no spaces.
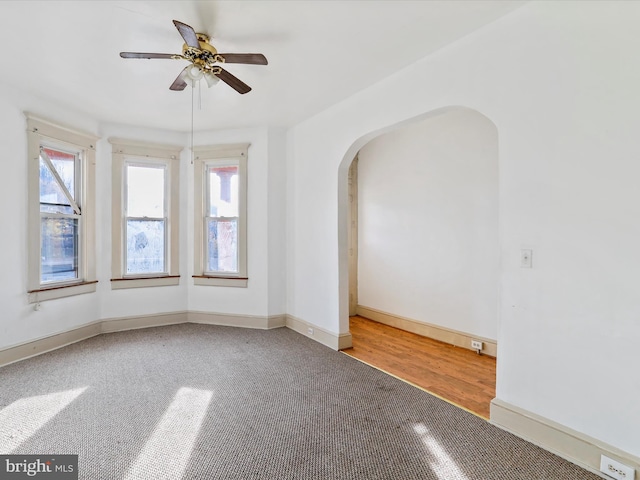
{"x":221,"y":219}
{"x":60,"y":215}
{"x":145,"y":210}
{"x":145,"y":219}
{"x":61,"y":211}
{"x":220,"y":180}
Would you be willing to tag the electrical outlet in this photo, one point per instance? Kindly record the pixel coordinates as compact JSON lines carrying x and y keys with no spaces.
{"x":526,"y":258}
{"x":615,"y":469}
{"x":476,"y":344}
{"x":309,"y":331}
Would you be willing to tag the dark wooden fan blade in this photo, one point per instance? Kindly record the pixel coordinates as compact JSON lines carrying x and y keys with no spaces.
{"x":248,"y":58}
{"x":148,"y":55}
{"x":233,"y":82}
{"x":188,"y":33}
{"x":179,"y":83}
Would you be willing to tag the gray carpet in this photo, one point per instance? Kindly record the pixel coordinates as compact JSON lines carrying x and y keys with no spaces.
{"x":207,"y":402}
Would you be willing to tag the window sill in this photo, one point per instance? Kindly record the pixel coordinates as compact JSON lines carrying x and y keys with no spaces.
{"x":220,"y":281}
{"x":61,"y":291}
{"x":140,"y":282}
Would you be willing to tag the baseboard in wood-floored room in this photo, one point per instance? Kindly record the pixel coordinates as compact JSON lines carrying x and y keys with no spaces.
{"x":442,"y":334}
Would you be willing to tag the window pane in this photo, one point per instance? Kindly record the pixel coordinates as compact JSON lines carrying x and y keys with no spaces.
{"x":145,"y":246}
{"x":222,"y":245}
{"x":65,"y":164}
{"x":223,"y":191}
{"x":59,"y":249}
{"x":52,"y":198}
{"x":145,"y":191}
{"x":55,"y":208}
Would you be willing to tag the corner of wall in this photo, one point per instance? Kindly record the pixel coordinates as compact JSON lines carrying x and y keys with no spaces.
{"x":332,"y":340}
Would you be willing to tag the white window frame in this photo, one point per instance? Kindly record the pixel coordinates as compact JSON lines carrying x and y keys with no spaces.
{"x":233,"y":154}
{"x":44,"y":133}
{"x":132,"y":152}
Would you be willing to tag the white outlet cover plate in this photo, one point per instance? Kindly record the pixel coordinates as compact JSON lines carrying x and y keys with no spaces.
{"x":615,"y":469}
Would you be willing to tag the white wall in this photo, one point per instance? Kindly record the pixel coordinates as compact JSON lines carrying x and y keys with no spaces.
{"x":428,"y":223}
{"x":277,"y":201}
{"x":560,"y":82}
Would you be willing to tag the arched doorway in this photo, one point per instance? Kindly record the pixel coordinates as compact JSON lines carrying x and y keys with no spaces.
{"x":423,"y":228}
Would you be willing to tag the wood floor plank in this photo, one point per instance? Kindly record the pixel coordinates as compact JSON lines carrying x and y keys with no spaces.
{"x":456,"y":374}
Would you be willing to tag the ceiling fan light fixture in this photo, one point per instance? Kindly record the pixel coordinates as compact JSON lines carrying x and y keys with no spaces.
{"x":211,"y":79}
{"x":194,"y":73}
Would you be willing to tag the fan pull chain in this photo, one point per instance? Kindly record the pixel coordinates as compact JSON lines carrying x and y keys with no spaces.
{"x":192,"y":152}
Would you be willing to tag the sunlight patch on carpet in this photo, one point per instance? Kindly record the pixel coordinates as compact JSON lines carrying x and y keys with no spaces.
{"x":23,"y":418}
{"x":167,"y":451}
{"x":441,"y":463}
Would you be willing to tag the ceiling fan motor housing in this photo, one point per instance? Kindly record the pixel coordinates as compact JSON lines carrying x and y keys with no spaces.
{"x":206,"y":56}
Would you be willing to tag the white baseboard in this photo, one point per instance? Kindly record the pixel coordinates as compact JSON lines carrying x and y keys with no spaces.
{"x":569,"y":444}
{"x":120,"y":324}
{"x":46,"y":344}
{"x":233,"y":320}
{"x":446,"y":335}
{"x":111,"y":325}
{"x":329,"y":339}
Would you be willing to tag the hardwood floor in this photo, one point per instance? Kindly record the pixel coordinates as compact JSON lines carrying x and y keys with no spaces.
{"x":455,"y":374}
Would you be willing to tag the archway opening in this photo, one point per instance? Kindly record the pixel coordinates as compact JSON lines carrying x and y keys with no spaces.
{"x":422,"y":239}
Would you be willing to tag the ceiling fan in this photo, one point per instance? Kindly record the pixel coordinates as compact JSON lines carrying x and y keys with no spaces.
{"x":205,"y":61}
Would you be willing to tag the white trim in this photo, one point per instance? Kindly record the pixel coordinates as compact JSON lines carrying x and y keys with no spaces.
{"x":56,"y":131}
{"x":136,"y":148}
{"x":220,"y":282}
{"x":42,"y":132}
{"x":236,"y":154}
{"x":123,"y":283}
{"x":121,"y":324}
{"x":233,"y":320}
{"x":58,"y":340}
{"x":45,"y":344}
{"x":44,"y":294}
{"x":229,"y":150}
{"x":32,"y":348}
{"x":442,"y":334}
{"x":332,"y":340}
{"x":569,"y":444}
{"x":152,"y":154}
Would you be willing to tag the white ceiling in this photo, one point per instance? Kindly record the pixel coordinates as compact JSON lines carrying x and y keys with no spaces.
{"x":319,"y":53}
